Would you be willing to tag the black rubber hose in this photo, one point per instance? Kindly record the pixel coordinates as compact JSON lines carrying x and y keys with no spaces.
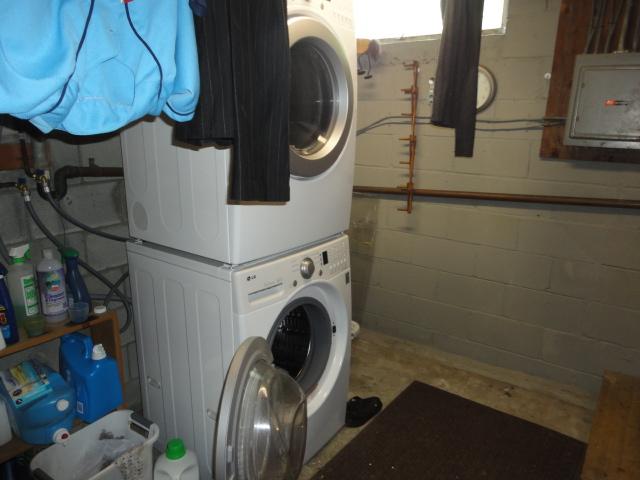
{"x":78,"y":223}
{"x":116,"y":285}
{"x":82,"y":263}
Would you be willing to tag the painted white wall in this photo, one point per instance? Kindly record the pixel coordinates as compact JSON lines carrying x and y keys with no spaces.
{"x":552,"y":291}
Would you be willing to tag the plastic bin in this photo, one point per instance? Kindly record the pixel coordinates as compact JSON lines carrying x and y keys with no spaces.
{"x":116,"y":447}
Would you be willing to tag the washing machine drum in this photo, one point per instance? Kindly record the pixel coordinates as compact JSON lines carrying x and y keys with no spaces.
{"x":301,"y":341}
{"x":262,"y":422}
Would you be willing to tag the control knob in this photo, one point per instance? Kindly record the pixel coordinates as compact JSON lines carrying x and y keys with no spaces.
{"x":307,"y":268}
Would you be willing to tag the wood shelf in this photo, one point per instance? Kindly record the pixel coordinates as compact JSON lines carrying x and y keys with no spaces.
{"x":26,"y":343}
{"x":614,"y":443}
{"x":105,"y":329}
{"x":12,"y":449}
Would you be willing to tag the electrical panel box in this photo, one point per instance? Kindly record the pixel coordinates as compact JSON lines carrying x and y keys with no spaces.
{"x":605,"y":102}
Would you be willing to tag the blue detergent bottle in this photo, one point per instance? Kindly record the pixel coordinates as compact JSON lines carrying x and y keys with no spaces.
{"x":93,"y":375}
{"x":8,"y":325}
{"x":76,"y":287}
{"x":39,"y":403}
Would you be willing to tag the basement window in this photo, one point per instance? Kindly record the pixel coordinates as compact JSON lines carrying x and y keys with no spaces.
{"x":417,"y":19}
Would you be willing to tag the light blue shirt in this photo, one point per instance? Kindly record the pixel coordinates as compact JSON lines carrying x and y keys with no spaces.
{"x":93,"y":66}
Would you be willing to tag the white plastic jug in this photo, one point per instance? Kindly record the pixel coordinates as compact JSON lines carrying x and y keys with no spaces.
{"x":5,"y":426}
{"x":177,"y":463}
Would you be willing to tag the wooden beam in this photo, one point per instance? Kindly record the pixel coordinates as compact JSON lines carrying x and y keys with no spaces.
{"x":571,"y":38}
{"x":614,"y":443}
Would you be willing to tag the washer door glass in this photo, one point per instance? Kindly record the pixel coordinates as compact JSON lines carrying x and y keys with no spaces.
{"x":301,"y":340}
{"x":262,"y":421}
{"x":321,"y":106}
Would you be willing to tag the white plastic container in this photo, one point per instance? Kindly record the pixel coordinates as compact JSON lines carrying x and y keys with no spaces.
{"x":177,"y":463}
{"x":123,"y":440}
{"x":5,"y":426}
{"x":53,"y":290}
{"x":22,"y":284}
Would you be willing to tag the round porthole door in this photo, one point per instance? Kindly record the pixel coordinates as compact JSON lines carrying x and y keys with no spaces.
{"x":300,"y":341}
{"x":321,"y":103}
{"x":262,"y":422}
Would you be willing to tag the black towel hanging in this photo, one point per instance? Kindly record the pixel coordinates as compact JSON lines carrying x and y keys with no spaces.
{"x":456,"y":88}
{"x":243,"y":49}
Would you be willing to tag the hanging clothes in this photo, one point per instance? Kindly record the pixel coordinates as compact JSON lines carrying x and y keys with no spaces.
{"x":456,"y":85}
{"x":243,"y":47}
{"x":93,"y":66}
{"x":199,"y":7}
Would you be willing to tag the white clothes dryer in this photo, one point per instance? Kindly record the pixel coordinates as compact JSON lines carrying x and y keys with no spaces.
{"x":177,"y":197}
{"x":193,"y":314}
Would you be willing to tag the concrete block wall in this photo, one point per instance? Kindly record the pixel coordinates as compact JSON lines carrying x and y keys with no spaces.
{"x":550,"y":291}
{"x":99,"y":203}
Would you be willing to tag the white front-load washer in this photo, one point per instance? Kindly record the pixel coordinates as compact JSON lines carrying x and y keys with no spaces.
{"x":192,"y":314}
{"x":177,"y":197}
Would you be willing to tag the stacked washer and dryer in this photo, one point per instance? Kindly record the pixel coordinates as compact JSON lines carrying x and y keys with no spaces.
{"x":208,"y":277}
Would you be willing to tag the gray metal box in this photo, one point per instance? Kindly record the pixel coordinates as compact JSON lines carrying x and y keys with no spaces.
{"x":605,"y":102}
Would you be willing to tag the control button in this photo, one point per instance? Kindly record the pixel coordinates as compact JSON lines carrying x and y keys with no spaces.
{"x":307,"y":267}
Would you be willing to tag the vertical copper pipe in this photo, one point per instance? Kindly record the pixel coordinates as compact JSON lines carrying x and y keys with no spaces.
{"x":412,"y":139}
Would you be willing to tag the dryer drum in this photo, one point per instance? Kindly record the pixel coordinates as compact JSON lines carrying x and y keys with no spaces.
{"x":301,"y":341}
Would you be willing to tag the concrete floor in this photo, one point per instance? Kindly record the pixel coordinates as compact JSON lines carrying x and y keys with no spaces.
{"x":384,"y":366}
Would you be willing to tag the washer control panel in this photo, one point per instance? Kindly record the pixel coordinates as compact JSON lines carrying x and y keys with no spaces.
{"x":262,"y":283}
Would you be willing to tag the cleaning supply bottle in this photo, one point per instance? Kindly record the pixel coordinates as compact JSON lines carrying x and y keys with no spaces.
{"x":22,"y":284}
{"x":39,"y":402}
{"x":76,"y":288}
{"x":8,"y":325}
{"x":53,"y":293}
{"x":177,"y":463}
{"x":94,"y":376}
{"x":5,"y":426}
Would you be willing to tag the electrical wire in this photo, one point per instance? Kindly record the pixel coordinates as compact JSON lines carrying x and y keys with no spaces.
{"x":613,"y":25}
{"x":595,"y":20}
{"x":538,"y":122}
{"x":105,"y":281}
{"x":540,"y":126}
{"x":78,"y":223}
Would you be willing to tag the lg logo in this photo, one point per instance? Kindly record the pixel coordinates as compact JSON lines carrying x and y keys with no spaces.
{"x":251,"y":277}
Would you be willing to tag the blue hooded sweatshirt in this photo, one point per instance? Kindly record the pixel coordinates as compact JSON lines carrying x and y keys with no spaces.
{"x":93,"y":66}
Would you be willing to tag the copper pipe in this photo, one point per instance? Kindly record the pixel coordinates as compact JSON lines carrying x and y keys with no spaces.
{"x":413,"y":90}
{"x":505,"y":197}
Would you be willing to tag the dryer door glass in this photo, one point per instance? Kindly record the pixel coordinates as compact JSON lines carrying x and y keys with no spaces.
{"x":321,"y":108}
{"x":262,"y":422}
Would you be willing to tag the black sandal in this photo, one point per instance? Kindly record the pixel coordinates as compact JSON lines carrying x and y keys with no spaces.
{"x":361,"y":410}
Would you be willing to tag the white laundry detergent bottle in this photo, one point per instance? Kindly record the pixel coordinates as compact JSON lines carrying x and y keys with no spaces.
{"x":177,"y":463}
{"x":53,"y":292}
{"x":5,"y":426}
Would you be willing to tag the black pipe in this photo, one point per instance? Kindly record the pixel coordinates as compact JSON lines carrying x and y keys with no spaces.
{"x":63,"y":174}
